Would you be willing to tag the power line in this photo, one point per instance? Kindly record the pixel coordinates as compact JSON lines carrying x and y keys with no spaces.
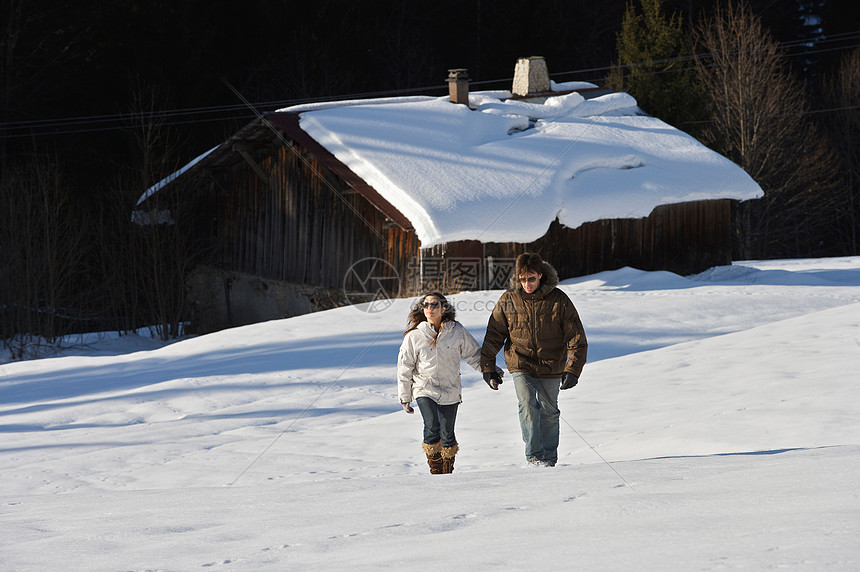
{"x":22,"y":127}
{"x":221,"y":113}
{"x":693,"y":57}
{"x":804,"y":112}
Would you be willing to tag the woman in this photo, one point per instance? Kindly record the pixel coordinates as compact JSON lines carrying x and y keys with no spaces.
{"x":428,"y":370}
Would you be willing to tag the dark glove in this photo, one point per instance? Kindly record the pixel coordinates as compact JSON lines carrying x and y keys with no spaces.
{"x":493,"y":379}
{"x":568,"y":380}
{"x":406,"y":407}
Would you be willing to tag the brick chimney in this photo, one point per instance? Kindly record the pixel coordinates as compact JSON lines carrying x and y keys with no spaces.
{"x":531,"y":76}
{"x":458,"y":86}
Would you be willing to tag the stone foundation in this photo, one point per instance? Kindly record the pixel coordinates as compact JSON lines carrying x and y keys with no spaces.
{"x":219,"y":299}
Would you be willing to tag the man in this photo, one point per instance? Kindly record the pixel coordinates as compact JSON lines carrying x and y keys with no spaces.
{"x":545,"y":349}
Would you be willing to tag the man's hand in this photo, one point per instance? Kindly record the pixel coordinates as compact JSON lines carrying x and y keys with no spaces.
{"x":406,"y":407}
{"x":493,"y":379}
{"x":568,"y":380}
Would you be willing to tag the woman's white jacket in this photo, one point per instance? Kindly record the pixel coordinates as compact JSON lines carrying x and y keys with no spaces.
{"x":428,"y":364}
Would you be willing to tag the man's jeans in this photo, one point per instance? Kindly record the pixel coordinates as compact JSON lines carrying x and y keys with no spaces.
{"x":539,"y":415}
{"x":438,"y":421}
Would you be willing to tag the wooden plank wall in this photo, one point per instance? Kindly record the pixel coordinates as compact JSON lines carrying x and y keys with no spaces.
{"x":294,"y":227}
{"x":684,"y":238}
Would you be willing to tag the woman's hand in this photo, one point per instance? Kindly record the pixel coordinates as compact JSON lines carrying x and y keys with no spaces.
{"x":406,"y":407}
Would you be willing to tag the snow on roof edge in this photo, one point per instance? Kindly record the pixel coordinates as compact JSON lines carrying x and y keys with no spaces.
{"x":173,"y":176}
{"x":464,"y":167}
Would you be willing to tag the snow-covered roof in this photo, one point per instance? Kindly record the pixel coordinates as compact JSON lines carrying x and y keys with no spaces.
{"x":501,"y":170}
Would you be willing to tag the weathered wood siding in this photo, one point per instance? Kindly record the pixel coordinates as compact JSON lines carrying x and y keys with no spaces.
{"x":684,"y":238}
{"x":291,"y":218}
{"x":300,"y":224}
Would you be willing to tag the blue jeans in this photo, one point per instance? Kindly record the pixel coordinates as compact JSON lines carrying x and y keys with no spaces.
{"x":438,"y":421}
{"x":539,"y":415}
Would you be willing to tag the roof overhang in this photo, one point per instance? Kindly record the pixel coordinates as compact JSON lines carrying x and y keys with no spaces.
{"x":288,"y":123}
{"x":271,"y":130}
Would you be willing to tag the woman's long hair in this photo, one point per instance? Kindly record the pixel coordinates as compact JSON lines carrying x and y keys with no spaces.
{"x":416,"y":315}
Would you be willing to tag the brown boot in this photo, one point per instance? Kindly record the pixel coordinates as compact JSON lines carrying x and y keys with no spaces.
{"x":434,"y":456}
{"x":448,"y":454}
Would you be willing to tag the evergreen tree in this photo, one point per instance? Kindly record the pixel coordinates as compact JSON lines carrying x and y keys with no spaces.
{"x":653,"y":65}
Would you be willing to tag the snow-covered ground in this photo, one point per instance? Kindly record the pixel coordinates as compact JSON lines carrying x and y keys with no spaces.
{"x":715,"y":427}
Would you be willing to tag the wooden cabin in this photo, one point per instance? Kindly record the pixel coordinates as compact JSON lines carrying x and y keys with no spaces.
{"x":283,"y":227}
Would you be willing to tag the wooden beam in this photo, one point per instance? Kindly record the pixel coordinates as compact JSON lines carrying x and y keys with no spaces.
{"x":242,"y":148}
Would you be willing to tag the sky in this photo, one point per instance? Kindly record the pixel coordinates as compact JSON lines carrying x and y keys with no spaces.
{"x":714,"y":428}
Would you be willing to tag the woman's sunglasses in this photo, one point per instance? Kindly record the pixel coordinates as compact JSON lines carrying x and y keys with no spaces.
{"x":431,"y":305}
{"x":530,"y":279}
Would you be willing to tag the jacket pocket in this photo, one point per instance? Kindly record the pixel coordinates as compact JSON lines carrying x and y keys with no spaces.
{"x":551,"y":360}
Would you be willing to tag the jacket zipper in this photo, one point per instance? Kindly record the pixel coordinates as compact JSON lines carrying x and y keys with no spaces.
{"x":534,"y":329}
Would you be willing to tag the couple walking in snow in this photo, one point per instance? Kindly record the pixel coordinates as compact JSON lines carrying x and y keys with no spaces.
{"x":545,"y":349}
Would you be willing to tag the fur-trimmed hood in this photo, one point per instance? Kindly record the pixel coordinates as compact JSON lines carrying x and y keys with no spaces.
{"x":548,"y":281}
{"x":541,"y":332}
